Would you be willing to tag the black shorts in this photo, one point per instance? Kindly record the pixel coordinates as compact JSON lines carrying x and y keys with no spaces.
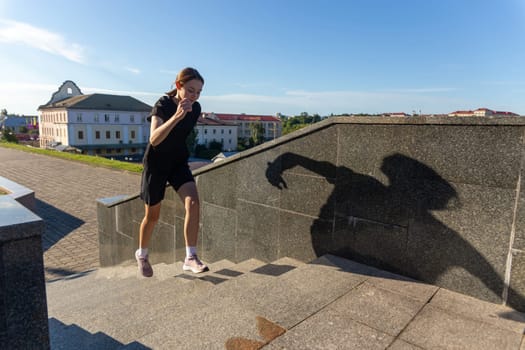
{"x":153,"y":183}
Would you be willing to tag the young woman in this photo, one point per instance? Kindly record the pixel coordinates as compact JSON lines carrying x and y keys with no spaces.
{"x":166,"y":161}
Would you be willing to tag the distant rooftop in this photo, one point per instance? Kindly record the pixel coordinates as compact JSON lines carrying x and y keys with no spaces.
{"x":213,"y":122}
{"x":482,"y":112}
{"x":100,"y":101}
{"x":242,"y":117}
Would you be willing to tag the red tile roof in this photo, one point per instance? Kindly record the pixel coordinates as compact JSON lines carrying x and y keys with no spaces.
{"x":505,"y":113}
{"x":462,"y":112}
{"x":246,"y":117}
{"x":213,"y":122}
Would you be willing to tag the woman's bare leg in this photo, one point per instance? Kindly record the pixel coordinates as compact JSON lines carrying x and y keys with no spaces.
{"x":190,"y":197}
{"x":147,"y":225}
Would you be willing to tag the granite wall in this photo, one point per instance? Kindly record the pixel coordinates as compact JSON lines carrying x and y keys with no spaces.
{"x":437,"y":199}
{"x":23,"y":307}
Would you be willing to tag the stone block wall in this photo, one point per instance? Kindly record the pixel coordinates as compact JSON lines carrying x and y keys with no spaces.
{"x":23,"y":307}
{"x":436,"y":199}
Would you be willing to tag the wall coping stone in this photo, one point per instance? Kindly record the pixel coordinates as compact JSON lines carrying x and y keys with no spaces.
{"x":330,"y":121}
{"x":12,"y":215}
{"x":15,"y":190}
{"x":419,"y":120}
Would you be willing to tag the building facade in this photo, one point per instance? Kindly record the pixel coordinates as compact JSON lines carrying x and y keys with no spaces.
{"x":96,"y":124}
{"x":210,"y":128}
{"x":483,"y":112}
{"x":272,"y":125}
{"x":18,"y":124}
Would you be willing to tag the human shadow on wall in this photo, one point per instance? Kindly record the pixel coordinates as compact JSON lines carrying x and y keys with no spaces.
{"x":392,"y":226}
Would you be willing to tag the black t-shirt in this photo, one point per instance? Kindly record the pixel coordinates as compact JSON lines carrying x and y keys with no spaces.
{"x":173,"y":148}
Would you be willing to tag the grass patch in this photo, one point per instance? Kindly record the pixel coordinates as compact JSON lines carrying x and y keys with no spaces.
{"x":92,"y":160}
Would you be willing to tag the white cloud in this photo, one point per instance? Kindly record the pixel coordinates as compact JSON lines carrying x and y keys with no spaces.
{"x":26,"y":97}
{"x":169,"y":72}
{"x":133,"y":70}
{"x":337,"y":102}
{"x":42,"y":39}
{"x":94,"y":90}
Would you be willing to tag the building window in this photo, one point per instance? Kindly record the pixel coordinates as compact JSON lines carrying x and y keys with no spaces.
{"x":117,"y":118}
{"x":109,"y":151}
{"x":214,"y":131}
{"x":106,"y":118}
{"x":108,"y":134}
{"x":132,"y":134}
{"x":205,"y":131}
{"x":117,"y":134}
{"x":79,"y":117}
{"x":132,"y":118}
{"x":222,"y":131}
{"x":98,"y":151}
{"x":230,"y":132}
{"x":97,"y":135}
{"x":80,"y":135}
{"x":97,"y":119}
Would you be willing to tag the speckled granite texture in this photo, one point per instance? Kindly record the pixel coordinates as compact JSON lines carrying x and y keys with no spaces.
{"x":436,"y":199}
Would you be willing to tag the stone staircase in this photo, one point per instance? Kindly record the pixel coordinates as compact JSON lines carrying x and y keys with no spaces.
{"x":329,"y":303}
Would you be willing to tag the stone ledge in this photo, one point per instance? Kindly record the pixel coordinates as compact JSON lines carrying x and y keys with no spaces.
{"x":16,"y":220}
{"x":328,"y":122}
{"x":23,"y":308}
{"x":17,"y":192}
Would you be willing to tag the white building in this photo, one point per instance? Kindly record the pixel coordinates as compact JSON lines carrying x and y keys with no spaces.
{"x":272,"y":125}
{"x":211,"y":129}
{"x":483,"y":112}
{"x":97,"y":124}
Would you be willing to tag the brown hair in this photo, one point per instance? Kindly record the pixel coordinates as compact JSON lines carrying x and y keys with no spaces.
{"x":183,"y":77}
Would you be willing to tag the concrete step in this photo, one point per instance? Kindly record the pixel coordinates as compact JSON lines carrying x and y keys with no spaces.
{"x":126,"y":317}
{"x":180,"y":303}
{"x":230,"y":311}
{"x":328,"y":303}
{"x":66,"y":337}
{"x":81,"y":296}
{"x":228,"y":302}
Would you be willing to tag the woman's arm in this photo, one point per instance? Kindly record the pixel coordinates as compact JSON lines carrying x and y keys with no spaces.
{"x":159,"y":129}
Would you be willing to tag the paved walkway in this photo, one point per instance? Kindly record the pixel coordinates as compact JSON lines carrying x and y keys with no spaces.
{"x":66,"y":194}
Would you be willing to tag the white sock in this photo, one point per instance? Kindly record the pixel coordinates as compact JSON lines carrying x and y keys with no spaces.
{"x":191,"y":251}
{"x":142,"y":252}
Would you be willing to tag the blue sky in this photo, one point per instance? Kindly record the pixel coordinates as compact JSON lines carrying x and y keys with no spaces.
{"x":265,"y":57}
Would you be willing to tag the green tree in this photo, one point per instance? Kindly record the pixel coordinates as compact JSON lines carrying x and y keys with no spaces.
{"x":8,"y":136}
{"x":191,"y":141}
{"x":243,"y":144}
{"x":297,"y":122}
{"x":257,"y":133}
{"x":210,"y":151}
{"x":216,"y":145}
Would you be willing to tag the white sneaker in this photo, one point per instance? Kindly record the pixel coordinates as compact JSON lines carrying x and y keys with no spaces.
{"x":194,"y":264}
